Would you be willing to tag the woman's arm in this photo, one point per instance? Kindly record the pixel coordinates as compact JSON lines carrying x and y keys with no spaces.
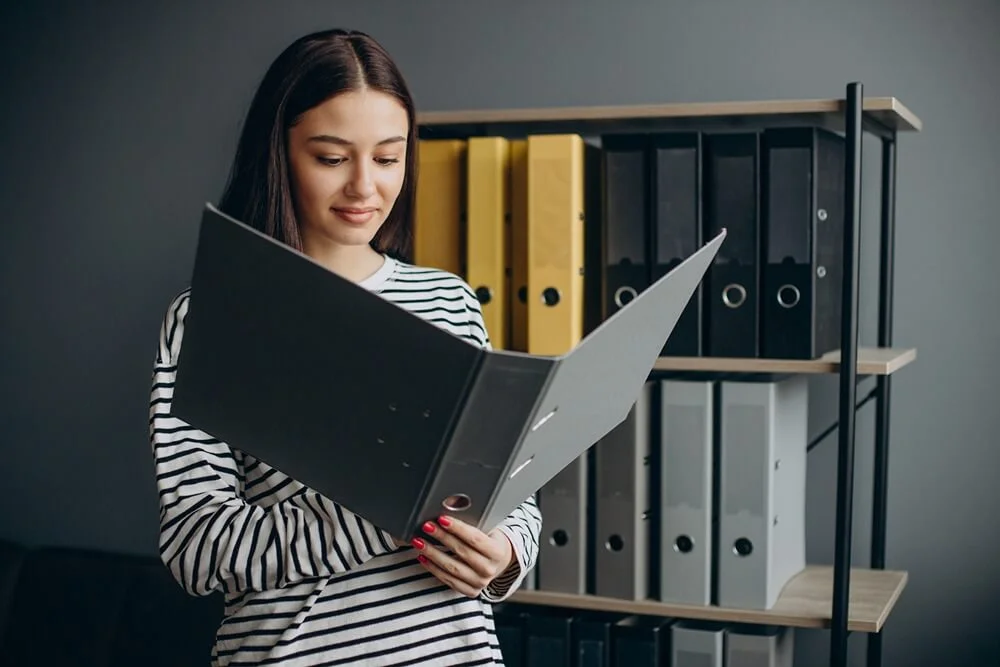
{"x":210,"y":537}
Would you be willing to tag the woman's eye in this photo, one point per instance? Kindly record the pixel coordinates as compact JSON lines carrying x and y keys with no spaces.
{"x":386,"y":160}
{"x":331,"y":161}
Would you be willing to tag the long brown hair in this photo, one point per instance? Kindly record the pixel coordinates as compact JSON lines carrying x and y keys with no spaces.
{"x":311,"y":70}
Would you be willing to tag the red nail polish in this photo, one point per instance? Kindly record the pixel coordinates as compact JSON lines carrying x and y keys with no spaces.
{"x":444,"y":521}
{"x":422,"y":558}
{"x":428,"y":527}
{"x":417,"y":543}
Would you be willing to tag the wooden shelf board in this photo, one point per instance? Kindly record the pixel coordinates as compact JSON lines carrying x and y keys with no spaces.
{"x":806,"y":602}
{"x":871,"y":361}
{"x":887,"y":110}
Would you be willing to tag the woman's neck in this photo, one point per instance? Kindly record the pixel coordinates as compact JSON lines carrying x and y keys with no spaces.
{"x":355,"y":263}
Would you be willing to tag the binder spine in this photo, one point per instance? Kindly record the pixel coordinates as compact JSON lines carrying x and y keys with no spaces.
{"x":731,"y":201}
{"x":676,"y":226}
{"x":625,"y":220}
{"x":802,"y":239}
{"x":485,"y":437}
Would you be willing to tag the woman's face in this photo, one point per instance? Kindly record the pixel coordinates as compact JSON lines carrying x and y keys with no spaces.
{"x":347,"y":162}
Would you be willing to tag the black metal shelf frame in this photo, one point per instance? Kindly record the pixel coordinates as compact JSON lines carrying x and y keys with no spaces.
{"x":855,"y":125}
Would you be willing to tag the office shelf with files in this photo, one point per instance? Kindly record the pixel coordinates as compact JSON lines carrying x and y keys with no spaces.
{"x":842,"y":598}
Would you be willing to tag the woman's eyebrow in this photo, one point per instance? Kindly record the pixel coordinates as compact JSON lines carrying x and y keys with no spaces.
{"x":340,"y":141}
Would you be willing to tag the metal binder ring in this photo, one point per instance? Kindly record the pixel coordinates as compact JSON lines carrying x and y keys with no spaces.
{"x":740,"y":292}
{"x":621,"y":293}
{"x":788,"y":296}
{"x":457,"y":503}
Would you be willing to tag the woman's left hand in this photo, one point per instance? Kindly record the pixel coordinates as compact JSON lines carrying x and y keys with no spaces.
{"x":476,"y":557}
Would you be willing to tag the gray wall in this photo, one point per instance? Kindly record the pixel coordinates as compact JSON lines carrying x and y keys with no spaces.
{"x":119,"y":122}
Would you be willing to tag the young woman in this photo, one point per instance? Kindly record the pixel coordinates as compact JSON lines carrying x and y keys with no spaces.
{"x":326,"y":165}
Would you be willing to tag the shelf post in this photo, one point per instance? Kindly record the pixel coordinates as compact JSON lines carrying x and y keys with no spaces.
{"x":883,"y":387}
{"x":848,"y":378}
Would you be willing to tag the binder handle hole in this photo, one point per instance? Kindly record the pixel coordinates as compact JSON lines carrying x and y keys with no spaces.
{"x":615,"y":543}
{"x":560,"y":538}
{"x":457,"y":503}
{"x":743,"y":547}
{"x":734,"y":295}
{"x":683,"y":544}
{"x":522,"y":294}
{"x":484,"y":294}
{"x":788,"y":296}
{"x":624,"y":295}
{"x":550,"y":296}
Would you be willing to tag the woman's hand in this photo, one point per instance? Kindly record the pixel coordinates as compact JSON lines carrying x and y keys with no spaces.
{"x":476,"y":557}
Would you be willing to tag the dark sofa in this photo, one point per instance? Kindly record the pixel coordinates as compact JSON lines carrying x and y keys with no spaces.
{"x":84,"y":608}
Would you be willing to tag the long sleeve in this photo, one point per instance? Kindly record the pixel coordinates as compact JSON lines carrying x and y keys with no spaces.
{"x":211,"y":538}
{"x":523,"y":526}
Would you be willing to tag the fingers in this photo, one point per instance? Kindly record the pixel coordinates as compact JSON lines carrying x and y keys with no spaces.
{"x":450,"y":569}
{"x":470,"y":546}
{"x":470,"y":590}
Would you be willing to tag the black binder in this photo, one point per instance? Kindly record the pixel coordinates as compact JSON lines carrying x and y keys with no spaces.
{"x":803,"y":238}
{"x":732,"y":285}
{"x":510,"y":622}
{"x":383,"y":412}
{"x":592,"y":638}
{"x":642,"y":641}
{"x":625,"y":220}
{"x":676,"y":228}
{"x":549,"y":639}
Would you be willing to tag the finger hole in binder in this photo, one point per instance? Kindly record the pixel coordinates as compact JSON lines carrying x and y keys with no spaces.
{"x":457,"y":503}
{"x":624,"y":295}
{"x":733,"y":295}
{"x":788,"y":296}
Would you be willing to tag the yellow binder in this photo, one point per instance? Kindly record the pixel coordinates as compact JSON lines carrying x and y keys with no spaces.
{"x":486,"y":230}
{"x":555,"y":243}
{"x":517,"y":294}
{"x":438,"y":228}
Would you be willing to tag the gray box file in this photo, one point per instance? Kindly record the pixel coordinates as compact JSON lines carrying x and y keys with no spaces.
{"x":760,"y":646}
{"x":562,"y":549}
{"x":383,"y":412}
{"x":623,"y":511}
{"x":762,"y":540}
{"x":687,"y":461}
{"x":697,"y":644}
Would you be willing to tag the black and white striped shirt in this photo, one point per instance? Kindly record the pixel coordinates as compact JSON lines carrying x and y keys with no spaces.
{"x":307,"y":582}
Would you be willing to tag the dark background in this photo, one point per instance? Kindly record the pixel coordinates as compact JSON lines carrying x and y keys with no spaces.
{"x":119,"y":120}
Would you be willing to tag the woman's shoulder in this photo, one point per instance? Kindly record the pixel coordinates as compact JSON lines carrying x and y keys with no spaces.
{"x":172,"y":325}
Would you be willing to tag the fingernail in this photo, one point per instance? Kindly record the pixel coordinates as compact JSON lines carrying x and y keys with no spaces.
{"x":444,"y":521}
{"x":417,"y":543}
{"x":428,"y":527}
{"x":422,"y":558}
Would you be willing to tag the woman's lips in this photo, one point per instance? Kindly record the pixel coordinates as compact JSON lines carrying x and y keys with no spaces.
{"x":355,"y":216}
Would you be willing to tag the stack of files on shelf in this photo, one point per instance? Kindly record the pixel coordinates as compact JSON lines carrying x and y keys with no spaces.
{"x":698,"y":497}
{"x":552,"y":637}
{"x":555,"y":232}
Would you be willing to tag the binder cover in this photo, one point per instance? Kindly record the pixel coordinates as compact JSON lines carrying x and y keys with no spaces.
{"x":383,"y":412}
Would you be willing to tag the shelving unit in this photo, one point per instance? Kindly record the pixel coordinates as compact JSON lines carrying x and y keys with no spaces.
{"x":804,"y":603}
{"x":841,"y":598}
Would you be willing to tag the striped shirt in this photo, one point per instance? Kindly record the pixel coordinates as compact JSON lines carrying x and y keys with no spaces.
{"x":305,"y":581}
